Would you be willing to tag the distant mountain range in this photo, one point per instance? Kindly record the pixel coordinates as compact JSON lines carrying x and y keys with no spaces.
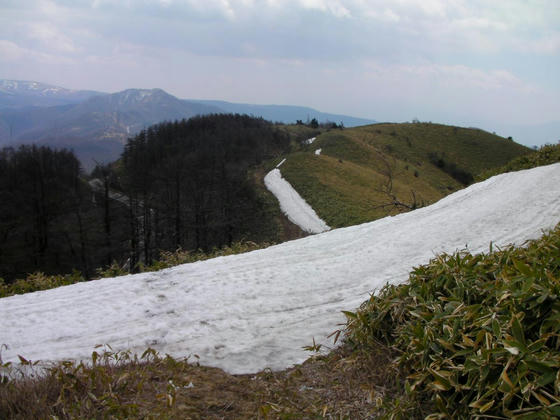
{"x":285,"y":113}
{"x":96,"y":125}
{"x":17,"y":93}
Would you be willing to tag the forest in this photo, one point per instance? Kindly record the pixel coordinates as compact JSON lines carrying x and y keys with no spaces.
{"x":181,"y":185}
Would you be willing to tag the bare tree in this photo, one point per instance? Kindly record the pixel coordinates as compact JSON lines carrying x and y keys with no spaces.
{"x":392,"y":202}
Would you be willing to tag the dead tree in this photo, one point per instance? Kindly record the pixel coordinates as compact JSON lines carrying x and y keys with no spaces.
{"x":392,"y":202}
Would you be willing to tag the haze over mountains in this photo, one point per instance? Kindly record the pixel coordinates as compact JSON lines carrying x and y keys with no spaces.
{"x":17,"y":93}
{"x":96,"y":125}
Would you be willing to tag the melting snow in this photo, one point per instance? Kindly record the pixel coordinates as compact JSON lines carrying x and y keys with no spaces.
{"x":318,"y":152}
{"x":250,"y":311}
{"x":311,"y":140}
{"x":293,"y":205}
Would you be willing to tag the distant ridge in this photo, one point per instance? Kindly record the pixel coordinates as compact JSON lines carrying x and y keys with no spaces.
{"x":285,"y":113}
{"x":22,"y":93}
{"x":96,"y":128}
{"x":96,"y":125}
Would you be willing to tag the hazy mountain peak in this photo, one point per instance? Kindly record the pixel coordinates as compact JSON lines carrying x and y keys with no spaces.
{"x":142,"y":94}
{"x":131,"y":98}
{"x":31,"y":88}
{"x":20,"y":93}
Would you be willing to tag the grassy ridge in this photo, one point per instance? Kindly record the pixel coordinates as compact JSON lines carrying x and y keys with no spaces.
{"x":546,"y":155}
{"x":471,"y":149}
{"x":344,"y":193}
{"x":345,"y":183}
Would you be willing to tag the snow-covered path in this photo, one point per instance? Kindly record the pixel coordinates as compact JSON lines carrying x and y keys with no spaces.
{"x":292,"y":204}
{"x":256,"y":310}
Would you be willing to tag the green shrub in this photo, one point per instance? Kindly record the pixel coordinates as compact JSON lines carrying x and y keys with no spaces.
{"x":478,"y":335}
{"x":170,"y":259}
{"x":38,"y":281}
{"x":546,"y":155}
{"x":450,"y":168}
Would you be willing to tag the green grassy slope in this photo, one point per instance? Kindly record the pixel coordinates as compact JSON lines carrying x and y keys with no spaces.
{"x":345,"y":183}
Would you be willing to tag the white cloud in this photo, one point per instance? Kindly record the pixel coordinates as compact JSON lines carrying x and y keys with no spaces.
{"x":459,"y":77}
{"x":51,"y":38}
{"x":547,"y":45}
{"x":10,"y":51}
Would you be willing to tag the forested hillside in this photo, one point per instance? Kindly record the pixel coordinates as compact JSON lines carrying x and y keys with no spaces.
{"x":188,"y":181}
{"x":182,"y":185}
{"x":49,"y":219}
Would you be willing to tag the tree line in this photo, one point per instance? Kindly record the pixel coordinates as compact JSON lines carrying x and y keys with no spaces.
{"x":183,"y":184}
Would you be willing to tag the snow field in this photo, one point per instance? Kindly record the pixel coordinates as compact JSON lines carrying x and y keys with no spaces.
{"x":293,"y":205}
{"x":247,"y":312}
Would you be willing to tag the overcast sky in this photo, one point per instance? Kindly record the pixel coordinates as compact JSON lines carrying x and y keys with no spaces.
{"x":454,"y":61}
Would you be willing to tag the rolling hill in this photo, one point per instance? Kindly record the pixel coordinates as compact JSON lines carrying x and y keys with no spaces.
{"x":368,"y":172}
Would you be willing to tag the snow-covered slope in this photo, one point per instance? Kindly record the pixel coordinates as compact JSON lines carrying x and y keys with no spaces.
{"x":292,"y":204}
{"x":256,"y":310}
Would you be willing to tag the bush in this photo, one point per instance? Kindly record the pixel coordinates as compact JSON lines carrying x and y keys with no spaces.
{"x":38,"y":281}
{"x":451,"y":169}
{"x":546,"y":155}
{"x":478,"y":335}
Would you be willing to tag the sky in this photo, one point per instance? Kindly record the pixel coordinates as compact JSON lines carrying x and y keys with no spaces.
{"x":467,"y":62}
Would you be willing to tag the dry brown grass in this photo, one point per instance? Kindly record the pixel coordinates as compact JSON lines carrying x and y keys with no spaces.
{"x":338,"y":385}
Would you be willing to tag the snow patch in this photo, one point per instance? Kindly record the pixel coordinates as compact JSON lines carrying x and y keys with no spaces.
{"x":310,"y":141}
{"x":293,"y":205}
{"x":318,"y":152}
{"x":247,"y":312}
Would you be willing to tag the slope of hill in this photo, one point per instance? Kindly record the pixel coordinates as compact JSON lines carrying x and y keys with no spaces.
{"x":367,"y":172}
{"x":247,"y":312}
{"x":20,"y":93}
{"x":287,"y":114}
{"x":192,"y":175}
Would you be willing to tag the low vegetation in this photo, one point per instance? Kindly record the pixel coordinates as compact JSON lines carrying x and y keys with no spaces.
{"x":545,"y":155}
{"x":119,"y":385}
{"x":348,"y":182}
{"x":41,"y":281}
{"x":470,"y":336}
{"x":476,"y":336}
